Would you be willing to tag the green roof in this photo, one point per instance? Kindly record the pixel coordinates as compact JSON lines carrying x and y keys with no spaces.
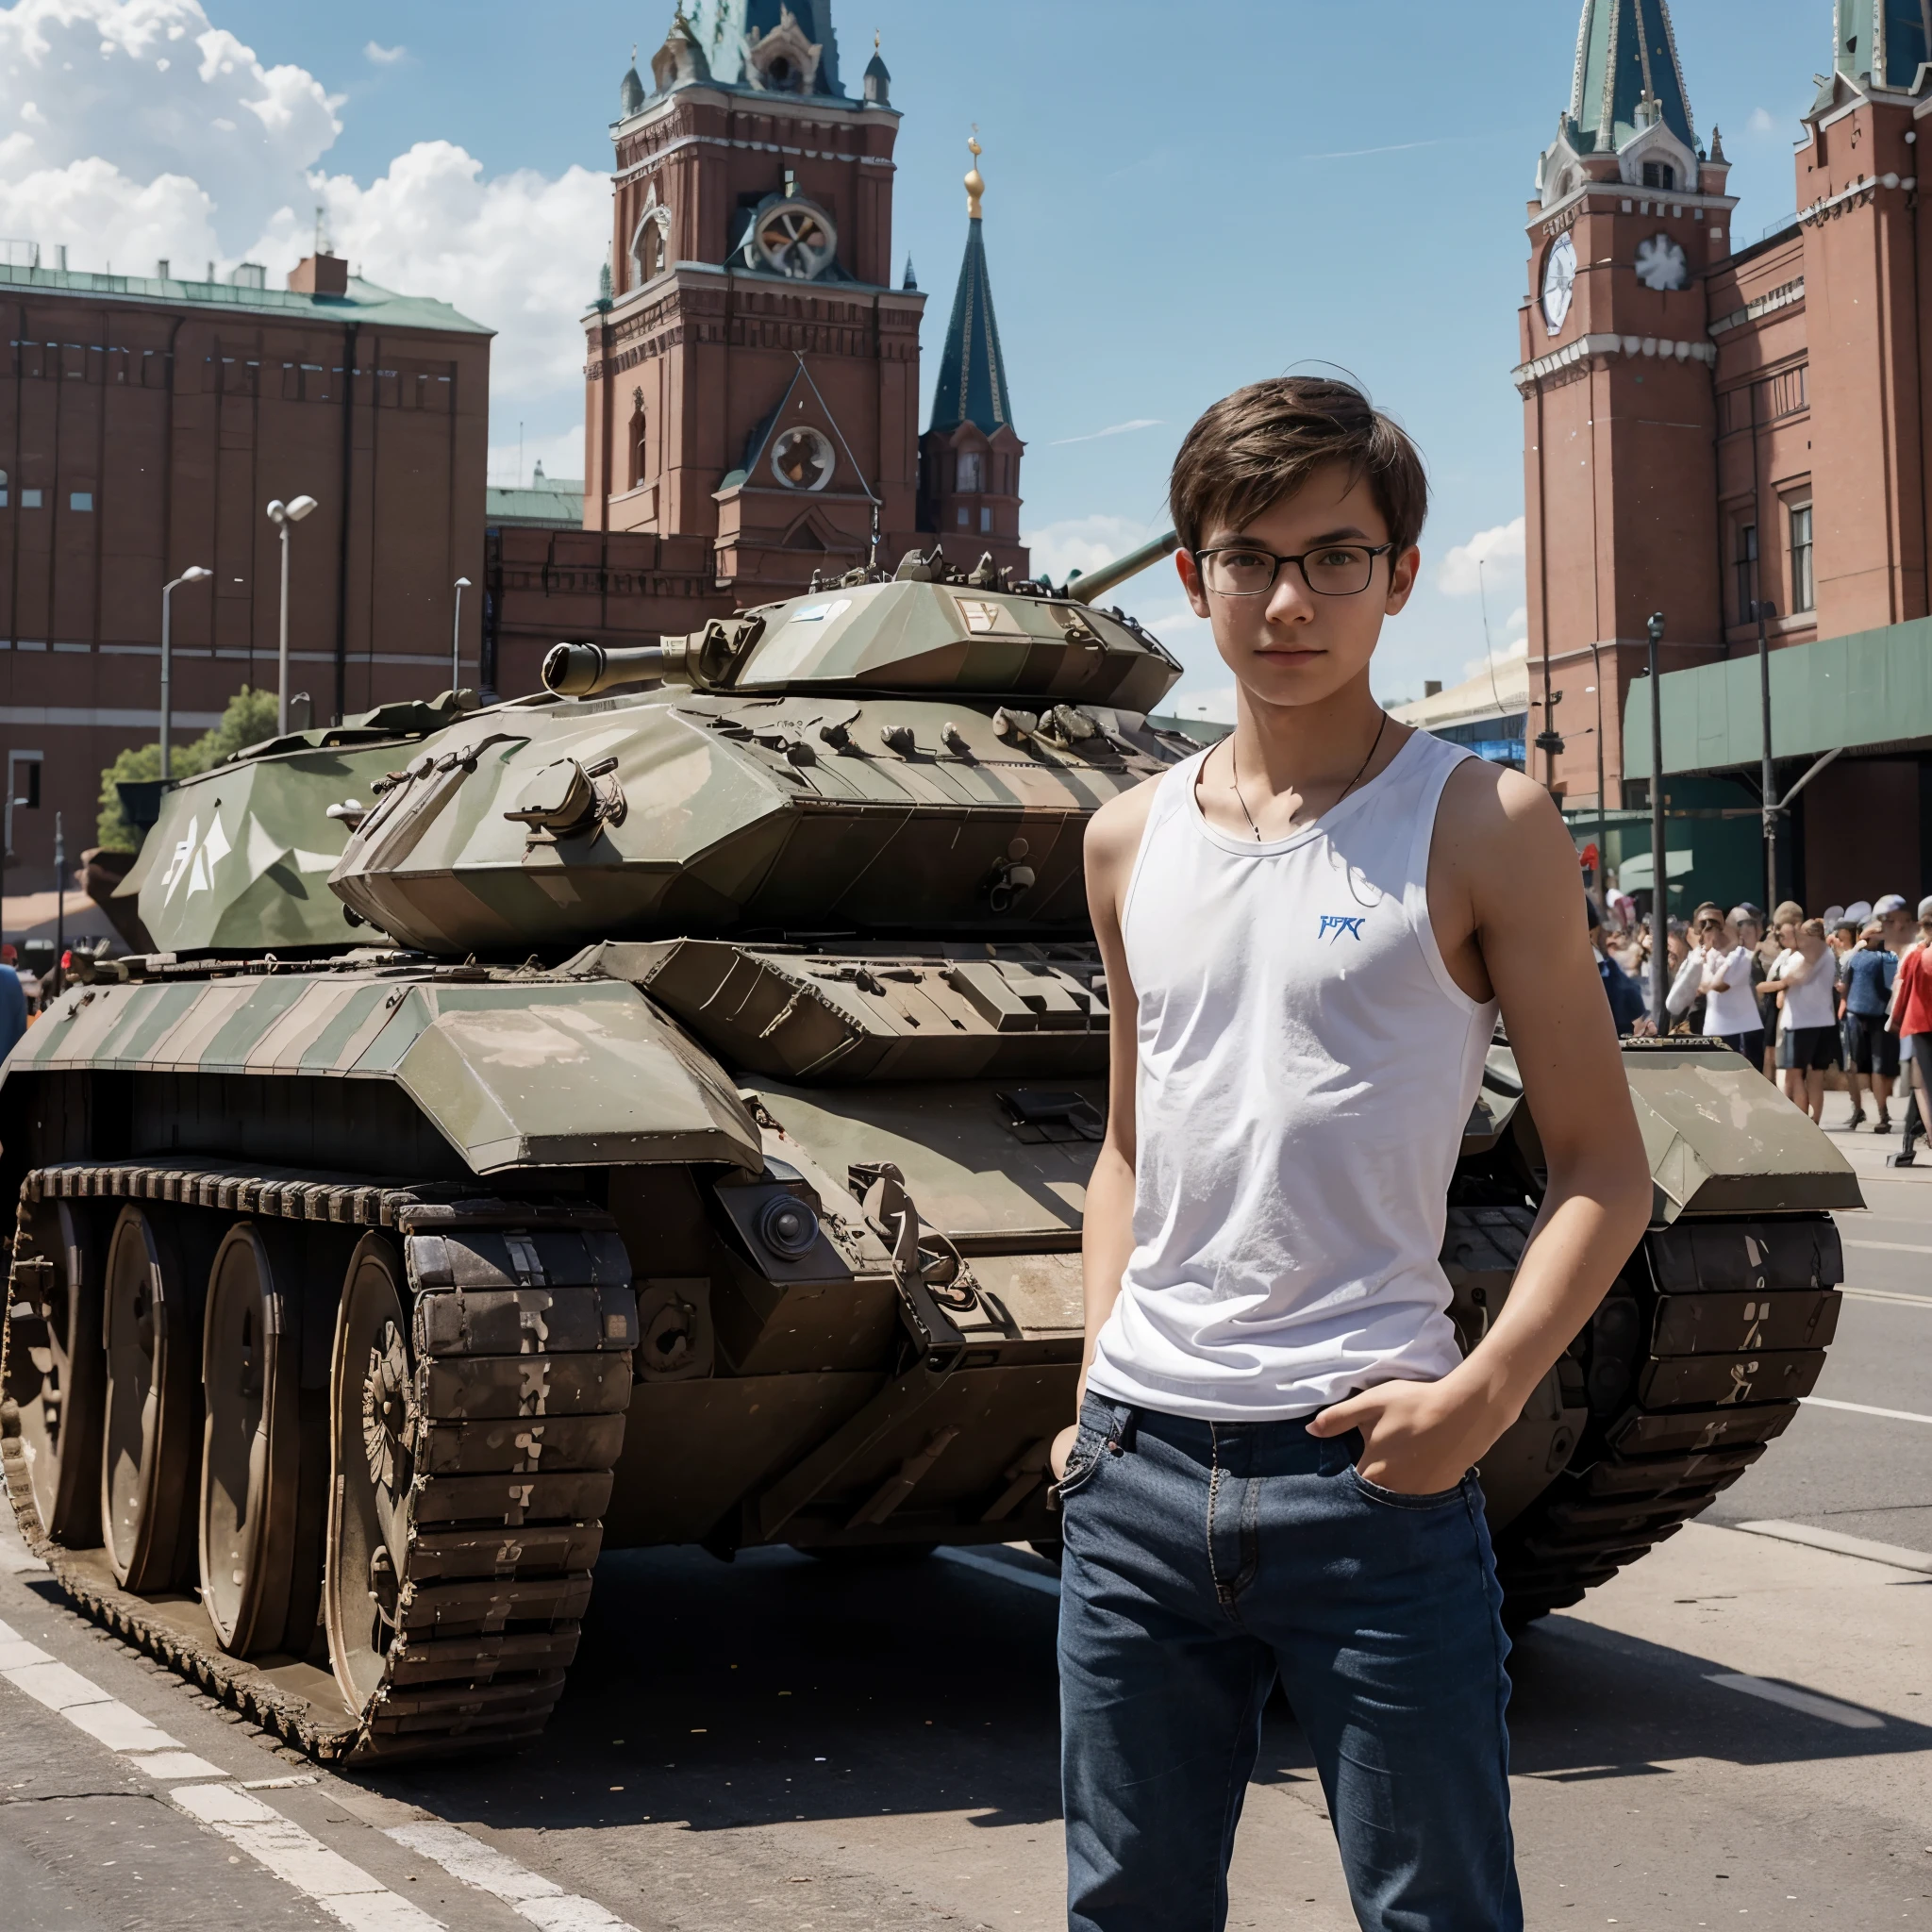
{"x":1627,"y":55}
{"x":1883,"y":40}
{"x":972,"y":372}
{"x":1858,"y":692}
{"x":364,"y":300}
{"x":555,"y":502}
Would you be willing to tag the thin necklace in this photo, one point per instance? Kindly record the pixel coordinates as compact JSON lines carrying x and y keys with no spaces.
{"x":1234,"y":771}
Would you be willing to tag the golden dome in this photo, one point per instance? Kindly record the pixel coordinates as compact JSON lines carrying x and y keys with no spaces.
{"x":975,"y":181}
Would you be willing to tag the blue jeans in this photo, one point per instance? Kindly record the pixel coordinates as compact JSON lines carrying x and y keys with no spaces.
{"x":1203,"y":1559}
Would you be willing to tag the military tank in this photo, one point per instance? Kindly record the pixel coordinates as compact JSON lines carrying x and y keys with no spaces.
{"x":657,"y":1109}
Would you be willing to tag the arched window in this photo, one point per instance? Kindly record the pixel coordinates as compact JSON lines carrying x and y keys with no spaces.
{"x":1659,"y":174}
{"x":639,"y":455}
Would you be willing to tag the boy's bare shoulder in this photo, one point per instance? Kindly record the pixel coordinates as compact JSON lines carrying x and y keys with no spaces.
{"x":1504,"y":840}
{"x":1113,"y":833}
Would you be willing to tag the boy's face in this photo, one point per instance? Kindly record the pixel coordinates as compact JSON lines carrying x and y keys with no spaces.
{"x":1291,"y":645}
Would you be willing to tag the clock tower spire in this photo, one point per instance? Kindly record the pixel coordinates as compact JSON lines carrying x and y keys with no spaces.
{"x":1616,"y":378}
{"x":969,"y":457}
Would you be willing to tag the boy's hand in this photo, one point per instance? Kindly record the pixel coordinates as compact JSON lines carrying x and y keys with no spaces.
{"x":1418,"y":1438}
{"x":1062,"y":1448}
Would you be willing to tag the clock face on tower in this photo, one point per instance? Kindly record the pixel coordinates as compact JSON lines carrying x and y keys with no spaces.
{"x":1661,"y":264}
{"x":1559,"y":278}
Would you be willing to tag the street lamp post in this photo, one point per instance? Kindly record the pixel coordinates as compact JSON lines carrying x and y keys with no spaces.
{"x":455,"y":640}
{"x":282,"y":514}
{"x":194,"y":573}
{"x":1763,"y":611}
{"x":1659,"y":859}
{"x":60,"y":894}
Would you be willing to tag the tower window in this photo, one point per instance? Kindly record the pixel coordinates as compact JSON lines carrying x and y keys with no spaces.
{"x":1746,"y":568}
{"x":970,"y":473}
{"x":1659,"y":174}
{"x":985,"y":519}
{"x":965,"y":517}
{"x":1802,"y":597}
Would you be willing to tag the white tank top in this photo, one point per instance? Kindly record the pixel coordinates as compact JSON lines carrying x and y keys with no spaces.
{"x":1306,"y":1070}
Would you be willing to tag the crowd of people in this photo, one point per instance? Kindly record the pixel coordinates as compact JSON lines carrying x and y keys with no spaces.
{"x":1800,"y":997}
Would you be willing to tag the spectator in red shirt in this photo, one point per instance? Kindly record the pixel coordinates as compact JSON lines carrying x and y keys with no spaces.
{"x":1912,"y":1018}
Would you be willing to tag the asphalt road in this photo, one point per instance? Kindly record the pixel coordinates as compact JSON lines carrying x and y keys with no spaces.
{"x":1738,"y":1727}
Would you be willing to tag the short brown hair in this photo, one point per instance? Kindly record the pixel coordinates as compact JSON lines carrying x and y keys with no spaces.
{"x":1789,"y":913}
{"x":1251,"y":449}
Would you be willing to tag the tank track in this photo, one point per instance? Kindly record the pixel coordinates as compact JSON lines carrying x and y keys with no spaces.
{"x":1693,"y":1365}
{"x":522,"y":1321}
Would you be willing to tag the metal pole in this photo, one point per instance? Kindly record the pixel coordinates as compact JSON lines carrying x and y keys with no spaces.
{"x":282,"y":685}
{"x":455,"y":640}
{"x":1767,"y":775}
{"x":167,"y":598}
{"x":1603,"y":824}
{"x":59,"y":892}
{"x":1659,"y":859}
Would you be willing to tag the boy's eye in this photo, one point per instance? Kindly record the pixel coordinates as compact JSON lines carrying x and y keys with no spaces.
{"x":1336,"y":560}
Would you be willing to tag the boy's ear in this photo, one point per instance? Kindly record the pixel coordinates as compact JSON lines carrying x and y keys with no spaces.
{"x":1402,"y":576}
{"x":1191,"y":582}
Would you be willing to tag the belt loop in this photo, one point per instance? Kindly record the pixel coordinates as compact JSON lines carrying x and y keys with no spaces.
{"x":1126,"y":1426}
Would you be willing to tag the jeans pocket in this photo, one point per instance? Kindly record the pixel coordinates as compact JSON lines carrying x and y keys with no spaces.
{"x":1395,"y":1499}
{"x":1083,"y":1462}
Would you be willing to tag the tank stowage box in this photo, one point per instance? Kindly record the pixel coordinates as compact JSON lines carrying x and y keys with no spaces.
{"x":658,"y":1111}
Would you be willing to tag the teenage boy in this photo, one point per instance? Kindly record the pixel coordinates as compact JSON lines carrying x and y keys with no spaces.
{"x":1308,"y":932}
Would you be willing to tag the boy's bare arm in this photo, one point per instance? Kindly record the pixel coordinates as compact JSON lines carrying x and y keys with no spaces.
{"x":1502,"y":872}
{"x":1114,"y":841}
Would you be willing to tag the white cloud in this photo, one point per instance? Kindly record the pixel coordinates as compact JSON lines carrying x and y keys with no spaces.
{"x":1761,"y":121}
{"x":136,"y":130}
{"x":1499,"y":551}
{"x":1112,"y":429}
{"x":519,"y":251}
{"x":1086,"y":544}
{"x":513,"y":461}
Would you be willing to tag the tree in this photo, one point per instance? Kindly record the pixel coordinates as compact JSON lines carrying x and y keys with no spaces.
{"x":249,"y":718}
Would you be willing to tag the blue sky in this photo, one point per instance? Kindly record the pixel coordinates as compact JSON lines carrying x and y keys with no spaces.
{"x":1179,"y":200}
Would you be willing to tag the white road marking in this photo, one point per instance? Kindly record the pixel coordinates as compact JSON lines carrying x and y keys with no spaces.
{"x":1894,"y":1554}
{"x":1896,"y":1415}
{"x":1886,"y":1294}
{"x":1006,"y":1573}
{"x":1893,"y":1247}
{"x":280,"y":1845}
{"x":1808,"y":1701}
{"x":528,"y":1893}
{"x":362,"y":1903}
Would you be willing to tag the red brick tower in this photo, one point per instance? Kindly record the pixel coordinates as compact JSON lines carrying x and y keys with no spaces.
{"x":1620,"y":412}
{"x":754,"y":380}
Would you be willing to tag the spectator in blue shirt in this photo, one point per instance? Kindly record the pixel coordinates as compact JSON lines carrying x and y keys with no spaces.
{"x":1872,"y":1052}
{"x":13,"y":1004}
{"x":1624,"y":994}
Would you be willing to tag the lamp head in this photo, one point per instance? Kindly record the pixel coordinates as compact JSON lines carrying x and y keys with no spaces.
{"x":278,"y":511}
{"x":462,"y":584}
{"x":195,"y":574}
{"x":300,"y":508}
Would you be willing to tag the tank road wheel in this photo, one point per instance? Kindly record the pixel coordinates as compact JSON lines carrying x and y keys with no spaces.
{"x":54,"y":1372}
{"x":147,"y":1460}
{"x":251,"y":1359}
{"x":370,"y":1468}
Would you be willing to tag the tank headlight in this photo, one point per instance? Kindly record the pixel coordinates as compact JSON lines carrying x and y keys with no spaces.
{"x":787,"y":1226}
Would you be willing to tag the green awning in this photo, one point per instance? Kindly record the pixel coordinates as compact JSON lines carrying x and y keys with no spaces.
{"x":1869,"y":690}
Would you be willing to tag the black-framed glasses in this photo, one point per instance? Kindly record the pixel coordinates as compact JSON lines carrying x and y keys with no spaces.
{"x":1245,"y":570}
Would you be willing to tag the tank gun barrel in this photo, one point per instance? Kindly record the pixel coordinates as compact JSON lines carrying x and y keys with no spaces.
{"x":1090,"y":584}
{"x":581,"y":670}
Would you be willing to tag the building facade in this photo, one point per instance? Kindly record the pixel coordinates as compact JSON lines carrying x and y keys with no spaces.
{"x":145,"y":424}
{"x":1720,"y":417}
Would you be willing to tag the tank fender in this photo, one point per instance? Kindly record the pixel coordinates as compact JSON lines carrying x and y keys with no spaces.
{"x":512,"y":1073}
